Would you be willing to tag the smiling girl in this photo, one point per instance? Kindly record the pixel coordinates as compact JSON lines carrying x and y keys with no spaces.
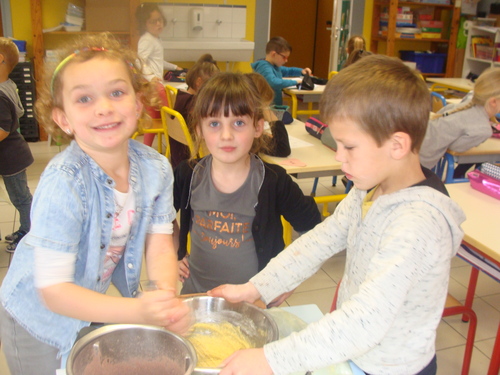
{"x":101,"y":205}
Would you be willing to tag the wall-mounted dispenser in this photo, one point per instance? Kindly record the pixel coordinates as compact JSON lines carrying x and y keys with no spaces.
{"x":197,"y":19}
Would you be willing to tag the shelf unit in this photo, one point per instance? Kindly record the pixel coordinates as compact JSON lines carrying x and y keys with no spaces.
{"x":37,"y":8}
{"x":476,"y":65}
{"x":450,"y":14}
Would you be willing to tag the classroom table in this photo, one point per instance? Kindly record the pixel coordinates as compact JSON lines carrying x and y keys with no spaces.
{"x":481,"y":244}
{"x":309,"y":157}
{"x":459,"y":84}
{"x":308,"y":96}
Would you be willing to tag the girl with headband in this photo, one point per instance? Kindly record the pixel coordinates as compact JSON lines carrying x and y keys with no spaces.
{"x":102,"y":205}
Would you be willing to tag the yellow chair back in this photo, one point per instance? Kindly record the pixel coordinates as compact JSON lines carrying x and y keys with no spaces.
{"x":178,"y":130}
{"x":171,"y":95}
{"x":332,"y":73}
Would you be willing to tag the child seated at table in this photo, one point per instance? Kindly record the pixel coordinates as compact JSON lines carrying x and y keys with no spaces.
{"x":274,"y":128}
{"x":195,"y":78}
{"x":459,"y":127}
{"x":398,"y":226}
{"x":278,"y":51}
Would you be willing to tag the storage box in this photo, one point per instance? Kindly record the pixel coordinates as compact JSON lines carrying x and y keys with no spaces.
{"x":426,"y":62}
{"x":107,"y":15}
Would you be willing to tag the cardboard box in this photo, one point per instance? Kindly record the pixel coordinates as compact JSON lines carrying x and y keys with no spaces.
{"x":107,"y":15}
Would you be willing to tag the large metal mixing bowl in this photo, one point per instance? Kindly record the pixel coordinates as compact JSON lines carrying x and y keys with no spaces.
{"x":255,"y":323}
{"x":126,"y":349}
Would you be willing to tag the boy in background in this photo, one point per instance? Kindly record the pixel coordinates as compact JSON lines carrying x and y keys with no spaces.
{"x":398,"y":226}
{"x":15,"y":154}
{"x":278,"y":51}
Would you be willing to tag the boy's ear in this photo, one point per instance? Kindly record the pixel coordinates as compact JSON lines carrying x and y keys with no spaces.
{"x":400,"y":145}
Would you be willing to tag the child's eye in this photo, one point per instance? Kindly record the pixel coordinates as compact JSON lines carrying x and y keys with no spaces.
{"x":213,"y":124}
{"x":348,"y":147}
{"x":239,"y":123}
{"x":84,"y":99}
{"x":117,"y":93}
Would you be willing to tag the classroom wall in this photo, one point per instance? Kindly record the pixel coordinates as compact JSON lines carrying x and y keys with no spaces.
{"x":21,"y":22}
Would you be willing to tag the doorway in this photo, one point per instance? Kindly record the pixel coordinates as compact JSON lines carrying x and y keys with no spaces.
{"x":306,"y":25}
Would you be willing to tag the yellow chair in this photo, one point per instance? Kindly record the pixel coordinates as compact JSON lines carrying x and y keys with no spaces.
{"x":324,"y":200}
{"x":332,"y":73}
{"x":171,"y":95}
{"x":157,"y":127}
{"x":177,"y":129}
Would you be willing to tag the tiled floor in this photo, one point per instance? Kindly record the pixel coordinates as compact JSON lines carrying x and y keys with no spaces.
{"x":320,"y":288}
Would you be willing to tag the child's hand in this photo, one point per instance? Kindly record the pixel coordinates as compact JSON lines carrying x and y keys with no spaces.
{"x":247,"y":362}
{"x":236,"y":293}
{"x":183,"y":266}
{"x":307,"y":71}
{"x":163,"y":308}
{"x":279,"y":300}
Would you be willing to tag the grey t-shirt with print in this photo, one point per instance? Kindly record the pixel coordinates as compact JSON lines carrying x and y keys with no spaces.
{"x":222,"y":245}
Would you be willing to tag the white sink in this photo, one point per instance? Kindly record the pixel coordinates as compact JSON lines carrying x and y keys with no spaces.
{"x":221,"y":49}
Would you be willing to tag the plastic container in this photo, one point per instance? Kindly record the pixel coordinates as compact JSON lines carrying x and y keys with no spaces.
{"x":426,"y":62}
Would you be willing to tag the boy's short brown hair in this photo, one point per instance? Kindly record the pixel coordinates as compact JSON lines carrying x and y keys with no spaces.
{"x":10,"y":52}
{"x":278,"y":44}
{"x":382,"y":95}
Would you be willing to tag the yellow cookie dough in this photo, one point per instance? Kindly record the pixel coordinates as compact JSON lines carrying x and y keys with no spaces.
{"x":214,"y":342}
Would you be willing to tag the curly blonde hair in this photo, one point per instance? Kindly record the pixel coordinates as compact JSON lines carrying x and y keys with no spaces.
{"x":85,"y":48}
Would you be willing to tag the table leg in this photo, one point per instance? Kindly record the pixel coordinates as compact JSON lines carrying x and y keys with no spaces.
{"x":294,"y":105}
{"x":471,"y":288}
{"x":495,"y":356}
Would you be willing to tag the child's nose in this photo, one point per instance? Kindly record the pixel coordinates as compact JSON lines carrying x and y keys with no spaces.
{"x":226,"y":132}
{"x":103,"y":107}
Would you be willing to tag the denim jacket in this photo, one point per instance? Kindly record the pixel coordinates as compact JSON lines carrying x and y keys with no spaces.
{"x":73,"y":211}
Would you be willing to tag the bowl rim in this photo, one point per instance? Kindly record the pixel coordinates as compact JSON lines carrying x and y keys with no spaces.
{"x":107,"y":328}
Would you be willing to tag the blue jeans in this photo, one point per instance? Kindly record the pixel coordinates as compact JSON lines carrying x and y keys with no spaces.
{"x":20,"y":196}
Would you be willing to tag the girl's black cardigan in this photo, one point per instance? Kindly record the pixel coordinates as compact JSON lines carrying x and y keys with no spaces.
{"x":279,"y":196}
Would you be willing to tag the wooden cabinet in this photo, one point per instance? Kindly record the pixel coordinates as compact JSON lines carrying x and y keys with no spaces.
{"x":480,"y":57}
{"x":40,"y":38}
{"x":390,"y":42}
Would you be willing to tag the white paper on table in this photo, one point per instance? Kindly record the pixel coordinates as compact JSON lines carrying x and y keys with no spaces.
{"x":298,"y":143}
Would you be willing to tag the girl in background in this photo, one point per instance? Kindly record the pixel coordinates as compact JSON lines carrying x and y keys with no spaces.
{"x":102,"y":205}
{"x":461,"y":126}
{"x":355,"y":42}
{"x":275,"y":133}
{"x":151,"y":21}
{"x":195,"y":78}
{"x":231,"y":201}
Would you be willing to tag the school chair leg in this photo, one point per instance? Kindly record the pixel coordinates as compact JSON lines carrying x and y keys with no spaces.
{"x":315,"y":185}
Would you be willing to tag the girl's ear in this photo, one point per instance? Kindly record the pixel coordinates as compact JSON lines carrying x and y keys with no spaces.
{"x":60,"y":119}
{"x":259,"y":128}
{"x":138,"y":105}
{"x":492,"y":106}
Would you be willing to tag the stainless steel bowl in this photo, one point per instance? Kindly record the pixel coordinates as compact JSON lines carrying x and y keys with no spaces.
{"x":255,"y":323}
{"x":131,"y":349}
